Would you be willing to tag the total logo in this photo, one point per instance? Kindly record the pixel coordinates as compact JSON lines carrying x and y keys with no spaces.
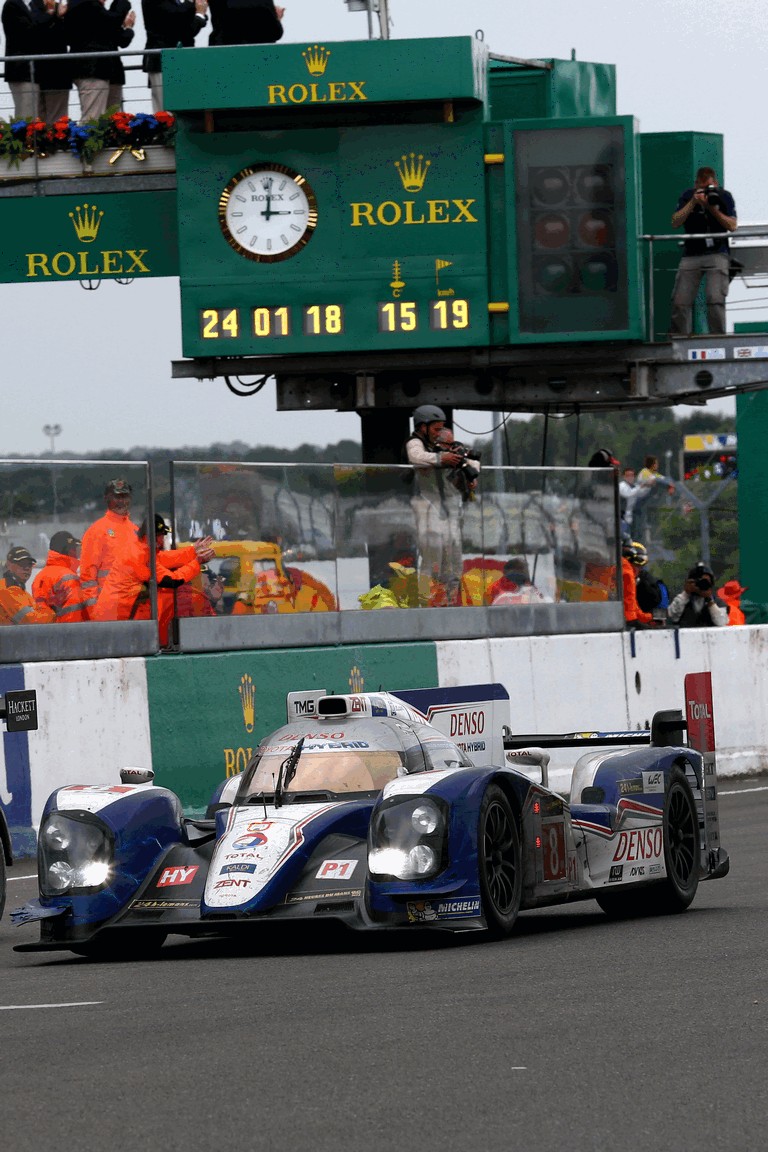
{"x":249,"y":840}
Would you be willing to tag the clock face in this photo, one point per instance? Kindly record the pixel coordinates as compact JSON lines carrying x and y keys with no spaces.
{"x":268,"y":212}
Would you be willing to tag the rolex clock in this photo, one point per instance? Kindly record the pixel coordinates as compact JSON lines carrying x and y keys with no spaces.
{"x":268,"y":212}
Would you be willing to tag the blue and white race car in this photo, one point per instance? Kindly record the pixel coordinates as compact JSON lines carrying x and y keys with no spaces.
{"x":387,"y":810}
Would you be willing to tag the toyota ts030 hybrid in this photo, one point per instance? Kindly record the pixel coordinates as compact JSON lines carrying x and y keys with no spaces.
{"x":388,"y":810}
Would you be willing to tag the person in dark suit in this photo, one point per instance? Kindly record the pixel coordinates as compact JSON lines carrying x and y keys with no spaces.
{"x":245,"y":22}
{"x":92,"y":27}
{"x":169,"y":24}
{"x":54,"y":77}
{"x":24,"y":29}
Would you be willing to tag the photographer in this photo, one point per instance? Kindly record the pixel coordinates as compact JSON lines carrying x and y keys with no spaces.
{"x":697,"y":606}
{"x":705,"y":208}
{"x":436,"y":506}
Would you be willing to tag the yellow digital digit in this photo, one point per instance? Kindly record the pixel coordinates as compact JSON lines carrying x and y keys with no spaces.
{"x":439,"y":314}
{"x":230,"y":323}
{"x":210,"y":319}
{"x":386,"y":317}
{"x":312,"y":320}
{"x":460,"y":313}
{"x":281,"y":321}
{"x":261,"y":324}
{"x":333,"y":318}
{"x":407,"y":317}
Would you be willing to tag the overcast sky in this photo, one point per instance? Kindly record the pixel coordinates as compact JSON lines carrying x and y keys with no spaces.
{"x":97,"y":363}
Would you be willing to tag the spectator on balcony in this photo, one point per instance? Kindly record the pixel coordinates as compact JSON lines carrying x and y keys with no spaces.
{"x":17,"y":606}
{"x":169,"y":24}
{"x":245,"y":22}
{"x":26,"y":27}
{"x":92,"y":27}
{"x":54,"y":76}
{"x":57,"y":585}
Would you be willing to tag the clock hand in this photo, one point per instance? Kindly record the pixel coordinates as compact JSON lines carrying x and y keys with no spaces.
{"x":268,"y":213}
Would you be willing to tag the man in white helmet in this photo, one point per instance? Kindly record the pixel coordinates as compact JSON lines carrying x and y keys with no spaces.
{"x":434,"y":505}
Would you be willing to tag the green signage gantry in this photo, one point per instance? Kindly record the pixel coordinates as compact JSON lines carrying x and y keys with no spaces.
{"x":359,"y":197}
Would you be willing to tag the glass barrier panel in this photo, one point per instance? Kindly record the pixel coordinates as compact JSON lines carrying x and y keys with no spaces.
{"x":68,"y":541}
{"x":273,"y":530}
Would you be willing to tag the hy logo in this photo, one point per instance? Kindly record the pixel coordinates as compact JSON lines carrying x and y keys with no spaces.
{"x":413,"y":171}
{"x":248,"y":701}
{"x":316,"y":58}
{"x":86,"y":220}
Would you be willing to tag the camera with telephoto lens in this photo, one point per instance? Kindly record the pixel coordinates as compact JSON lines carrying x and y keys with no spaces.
{"x":704,"y":584}
{"x":712,"y":193}
{"x":464,"y":474}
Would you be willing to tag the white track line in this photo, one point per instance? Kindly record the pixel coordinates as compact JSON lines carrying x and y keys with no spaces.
{"x":72,"y":1004}
{"x":743,"y":791}
{"x":32,"y":877}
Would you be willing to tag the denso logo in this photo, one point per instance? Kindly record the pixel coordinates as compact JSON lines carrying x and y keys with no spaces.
{"x":173,"y":876}
{"x":467,"y":723}
{"x":640,"y":844}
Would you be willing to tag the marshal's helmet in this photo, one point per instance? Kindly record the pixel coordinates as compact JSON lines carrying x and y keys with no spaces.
{"x":635,"y":552}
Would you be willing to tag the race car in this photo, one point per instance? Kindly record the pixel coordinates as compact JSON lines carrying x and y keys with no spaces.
{"x":387,"y":810}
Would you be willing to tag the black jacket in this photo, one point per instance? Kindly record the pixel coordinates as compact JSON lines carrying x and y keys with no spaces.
{"x":24,"y":32}
{"x":52,"y":40}
{"x":91,"y":27}
{"x":169,"y":24}
{"x":244,"y":22}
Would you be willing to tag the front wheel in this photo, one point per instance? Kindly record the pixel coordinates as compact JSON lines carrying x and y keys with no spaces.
{"x":500,"y":862}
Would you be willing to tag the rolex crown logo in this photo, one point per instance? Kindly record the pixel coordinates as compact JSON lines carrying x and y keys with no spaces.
{"x":248,"y":700}
{"x":413,"y":171}
{"x":316,"y":58}
{"x":86,"y":220}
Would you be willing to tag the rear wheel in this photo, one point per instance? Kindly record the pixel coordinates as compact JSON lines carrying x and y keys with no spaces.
{"x":500,"y":862}
{"x":681,"y":860}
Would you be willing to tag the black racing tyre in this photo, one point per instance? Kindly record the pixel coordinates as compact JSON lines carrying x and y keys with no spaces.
{"x":681,"y":859}
{"x":500,"y":862}
{"x":122,"y":947}
{"x":2,"y":880}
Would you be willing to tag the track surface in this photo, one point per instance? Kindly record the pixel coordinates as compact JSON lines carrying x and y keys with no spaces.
{"x":576,"y":1034}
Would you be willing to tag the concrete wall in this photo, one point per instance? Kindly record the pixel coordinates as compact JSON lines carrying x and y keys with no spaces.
{"x":188,"y":715}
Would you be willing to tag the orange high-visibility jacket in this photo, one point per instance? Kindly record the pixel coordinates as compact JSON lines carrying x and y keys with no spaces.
{"x":633,"y":613}
{"x":17,"y":606}
{"x":57,"y":586}
{"x":106,"y":539}
{"x":125,"y":594}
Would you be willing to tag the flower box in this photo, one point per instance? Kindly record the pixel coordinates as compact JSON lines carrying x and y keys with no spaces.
{"x":156,"y":158}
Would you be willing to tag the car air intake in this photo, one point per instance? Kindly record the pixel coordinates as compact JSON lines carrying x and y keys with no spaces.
{"x":333,"y":706}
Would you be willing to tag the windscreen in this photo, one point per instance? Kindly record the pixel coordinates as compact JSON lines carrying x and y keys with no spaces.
{"x":328,"y":770}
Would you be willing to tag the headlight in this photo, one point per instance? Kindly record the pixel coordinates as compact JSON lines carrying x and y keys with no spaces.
{"x":408,"y":838}
{"x":74,"y":853}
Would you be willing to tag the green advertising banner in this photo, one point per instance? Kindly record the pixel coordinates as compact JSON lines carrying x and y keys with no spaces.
{"x":207,"y":713}
{"x":89,"y":237}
